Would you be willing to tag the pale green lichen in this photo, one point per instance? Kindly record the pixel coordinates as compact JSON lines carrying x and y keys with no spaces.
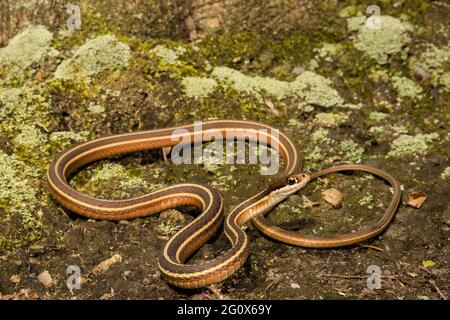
{"x":321,"y":135}
{"x":316,"y":155}
{"x":31,"y":142}
{"x":378,"y":116}
{"x":407,"y":145}
{"x":376,"y":129}
{"x":95,"y":56}
{"x":96,"y":108}
{"x":446,"y":173}
{"x":351,"y":150}
{"x":316,"y":90}
{"x":381,"y":43}
{"x":331,"y":119}
{"x":167,"y":55}
{"x":430,"y":63}
{"x":445,"y":81}
{"x":366,"y":200}
{"x":168,"y":228}
{"x":27,"y":105}
{"x":406,"y":88}
{"x":28,"y":47}
{"x":19,"y":203}
{"x":197,"y":87}
{"x":60,"y":140}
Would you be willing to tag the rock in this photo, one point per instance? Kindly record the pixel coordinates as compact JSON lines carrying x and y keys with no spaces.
{"x":333,"y":197}
{"x":46,"y":279}
{"x":295,"y":286}
{"x":15,"y":278}
{"x":103,"y":266}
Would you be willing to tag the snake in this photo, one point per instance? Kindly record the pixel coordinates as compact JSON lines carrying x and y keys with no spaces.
{"x":172,"y":261}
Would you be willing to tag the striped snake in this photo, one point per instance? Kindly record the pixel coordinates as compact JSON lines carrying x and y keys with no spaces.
{"x":190,"y":238}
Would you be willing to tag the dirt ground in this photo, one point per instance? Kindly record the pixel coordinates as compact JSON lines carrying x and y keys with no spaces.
{"x":344,"y":92}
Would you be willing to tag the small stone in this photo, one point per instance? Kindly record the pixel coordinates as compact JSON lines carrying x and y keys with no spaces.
{"x":15,"y":278}
{"x":295,"y":286}
{"x":103,"y":266}
{"x":46,"y":279}
{"x":416,"y":199}
{"x":333,"y":197}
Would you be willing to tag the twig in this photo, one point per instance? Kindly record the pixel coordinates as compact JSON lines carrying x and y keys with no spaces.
{"x":437,"y":289}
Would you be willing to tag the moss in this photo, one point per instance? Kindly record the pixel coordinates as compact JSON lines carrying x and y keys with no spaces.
{"x":351,"y":150}
{"x":95,"y":56}
{"x":378,"y":116}
{"x":406,"y":88}
{"x":407,"y":145}
{"x":61,"y":140}
{"x":31,"y":143}
{"x":19,"y":203}
{"x":331,"y":119}
{"x":316,"y":155}
{"x":168,"y":227}
{"x":381,"y":43}
{"x":197,"y":87}
{"x":446,"y":173}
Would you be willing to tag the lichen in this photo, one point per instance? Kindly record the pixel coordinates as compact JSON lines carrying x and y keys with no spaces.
{"x":378,"y":116}
{"x":366,"y":200}
{"x":407,"y":145}
{"x":197,"y":87}
{"x":95,"y":56}
{"x":381,"y":43}
{"x":406,"y":88}
{"x":321,"y":135}
{"x":167,"y":55}
{"x":446,"y":173}
{"x":430,"y":63}
{"x":28,"y":47}
{"x":331,"y":119}
{"x":19,"y":203}
{"x":316,"y":90}
{"x":351,"y":150}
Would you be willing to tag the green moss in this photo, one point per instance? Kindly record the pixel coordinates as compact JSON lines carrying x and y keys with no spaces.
{"x":196,"y":87}
{"x":95,"y":56}
{"x":381,"y":43}
{"x":20,"y":221}
{"x":407,"y":145}
{"x":168,"y":227}
{"x":445,"y":81}
{"x":406,"y":88}
{"x":31,"y":142}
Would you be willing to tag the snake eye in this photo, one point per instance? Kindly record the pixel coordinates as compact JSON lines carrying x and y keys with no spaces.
{"x":291,"y":180}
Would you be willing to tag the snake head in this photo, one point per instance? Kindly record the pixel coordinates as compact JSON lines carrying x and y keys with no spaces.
{"x":286,"y":186}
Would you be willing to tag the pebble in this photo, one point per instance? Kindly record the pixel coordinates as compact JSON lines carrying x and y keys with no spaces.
{"x":333,"y":197}
{"x":103,"y":266}
{"x":46,"y":279}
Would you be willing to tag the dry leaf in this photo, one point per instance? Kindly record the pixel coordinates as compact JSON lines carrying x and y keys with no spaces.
{"x":333,"y":197}
{"x":46,"y":279}
{"x":102,"y":267}
{"x":416,"y":199}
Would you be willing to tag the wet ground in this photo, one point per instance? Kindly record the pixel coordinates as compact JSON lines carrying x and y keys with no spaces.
{"x":344,"y":91}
